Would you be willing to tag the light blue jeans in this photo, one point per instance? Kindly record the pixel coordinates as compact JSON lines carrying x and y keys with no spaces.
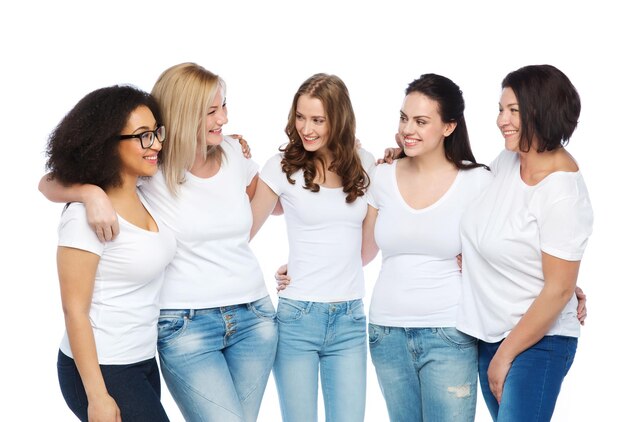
{"x":216,"y":362}
{"x":425,"y":374}
{"x":533,"y":382}
{"x":328,"y":339}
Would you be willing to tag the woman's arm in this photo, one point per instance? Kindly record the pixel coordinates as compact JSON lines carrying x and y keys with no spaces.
{"x":369,"y":248}
{"x":101,"y":215}
{"x":560,"y":283}
{"x":77,"y":271}
{"x":263,"y":203}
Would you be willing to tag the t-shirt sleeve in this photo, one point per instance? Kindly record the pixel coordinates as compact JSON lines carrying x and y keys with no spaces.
{"x":252,"y":168}
{"x":75,"y":232}
{"x":272,"y":174}
{"x":374,"y":190}
{"x":368,"y":162}
{"x":566,"y":221}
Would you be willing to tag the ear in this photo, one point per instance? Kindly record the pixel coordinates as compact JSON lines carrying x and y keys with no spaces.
{"x":449,"y":128}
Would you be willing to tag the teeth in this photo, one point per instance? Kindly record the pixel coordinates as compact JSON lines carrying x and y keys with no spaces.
{"x":311,"y":139}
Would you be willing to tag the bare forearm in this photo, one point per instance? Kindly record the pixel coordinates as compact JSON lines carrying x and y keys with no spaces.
{"x":83,"y":345}
{"x":54,"y":191}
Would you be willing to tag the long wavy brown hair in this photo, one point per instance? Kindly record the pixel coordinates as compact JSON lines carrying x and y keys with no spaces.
{"x":333,"y":94}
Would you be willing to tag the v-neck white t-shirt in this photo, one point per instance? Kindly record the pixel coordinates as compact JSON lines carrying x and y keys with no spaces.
{"x":419,"y":284}
{"x":325,"y":235}
{"x":504,"y":234}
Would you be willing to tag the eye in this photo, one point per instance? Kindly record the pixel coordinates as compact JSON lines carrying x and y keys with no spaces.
{"x":299,"y":117}
{"x":319,"y":121}
{"x":514,"y":110}
{"x":211,"y":112}
{"x":421,"y":122}
{"x":403,"y":118}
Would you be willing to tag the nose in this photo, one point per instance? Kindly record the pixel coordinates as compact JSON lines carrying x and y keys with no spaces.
{"x":502,"y":119}
{"x":306,"y":127}
{"x":156,"y":144}
{"x":222,"y":116}
{"x":407,"y":127}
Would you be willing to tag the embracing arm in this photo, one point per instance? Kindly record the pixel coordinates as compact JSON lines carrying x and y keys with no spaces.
{"x":77,"y":271}
{"x":101,"y":215}
{"x":369,"y":248}
{"x":263,"y":203}
{"x":560,"y":284}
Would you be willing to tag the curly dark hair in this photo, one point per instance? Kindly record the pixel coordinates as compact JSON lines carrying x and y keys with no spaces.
{"x":83,"y":148}
{"x":451,"y":105}
{"x":333,"y":94}
{"x":549,"y":106}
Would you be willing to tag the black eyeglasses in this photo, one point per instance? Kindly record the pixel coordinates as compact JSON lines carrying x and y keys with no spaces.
{"x":147,"y":138}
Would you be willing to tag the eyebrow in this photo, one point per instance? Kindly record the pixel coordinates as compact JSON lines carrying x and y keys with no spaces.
{"x":313,"y":117}
{"x":415,"y":117}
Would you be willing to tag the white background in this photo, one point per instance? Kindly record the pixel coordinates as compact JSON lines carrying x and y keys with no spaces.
{"x":53,"y":53}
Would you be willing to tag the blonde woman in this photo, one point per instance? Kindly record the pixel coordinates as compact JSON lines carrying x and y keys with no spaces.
{"x":217,"y":329}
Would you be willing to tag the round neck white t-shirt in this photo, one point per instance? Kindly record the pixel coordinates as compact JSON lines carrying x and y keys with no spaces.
{"x":324,"y":233}
{"x":125,"y":302}
{"x":503,"y":235}
{"x":419,"y":284}
{"x":211,"y":219}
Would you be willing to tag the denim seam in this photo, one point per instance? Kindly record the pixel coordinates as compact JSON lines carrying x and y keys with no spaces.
{"x":190,"y":388}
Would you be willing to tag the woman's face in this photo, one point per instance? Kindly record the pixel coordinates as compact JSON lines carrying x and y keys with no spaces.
{"x":509,"y":119}
{"x":421,"y":129}
{"x":137,"y":161}
{"x":215,"y":119}
{"x":312,"y":124}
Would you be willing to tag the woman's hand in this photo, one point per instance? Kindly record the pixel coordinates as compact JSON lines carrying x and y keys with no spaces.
{"x":392,"y":153}
{"x":245,"y":148}
{"x":496,"y":374}
{"x":103,"y":409}
{"x":582,"y":305}
{"x":282,"y":279}
{"x":101,"y":215}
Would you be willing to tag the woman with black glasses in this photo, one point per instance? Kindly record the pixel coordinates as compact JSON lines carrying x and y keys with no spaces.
{"x":106,"y":364}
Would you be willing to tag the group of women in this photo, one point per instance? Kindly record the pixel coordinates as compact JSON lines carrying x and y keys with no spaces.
{"x":157,"y":172}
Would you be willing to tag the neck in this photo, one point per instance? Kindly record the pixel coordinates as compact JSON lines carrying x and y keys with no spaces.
{"x":430,"y":163}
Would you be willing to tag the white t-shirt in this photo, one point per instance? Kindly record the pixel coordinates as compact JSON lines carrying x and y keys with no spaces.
{"x":325,"y":234}
{"x":125,"y":303}
{"x":503,"y":235}
{"x":211,"y":218}
{"x":419,"y":284}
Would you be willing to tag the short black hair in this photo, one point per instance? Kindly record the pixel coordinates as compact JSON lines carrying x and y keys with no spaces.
{"x":83,"y":148}
{"x":549,"y":106}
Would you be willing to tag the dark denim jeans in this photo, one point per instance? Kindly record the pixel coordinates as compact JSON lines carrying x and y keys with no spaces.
{"x":533,"y":382}
{"x":136,"y":388}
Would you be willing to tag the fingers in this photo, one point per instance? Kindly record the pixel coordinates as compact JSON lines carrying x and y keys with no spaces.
{"x":245,"y":148}
{"x":281,"y":277}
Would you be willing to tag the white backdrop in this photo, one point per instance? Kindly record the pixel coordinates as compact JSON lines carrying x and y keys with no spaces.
{"x":53,"y":53}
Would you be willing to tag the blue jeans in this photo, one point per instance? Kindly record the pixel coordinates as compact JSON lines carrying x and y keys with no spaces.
{"x":136,"y":389}
{"x":425,"y":374}
{"x":324,"y":338}
{"x":216,"y":362}
{"x":533,"y":382}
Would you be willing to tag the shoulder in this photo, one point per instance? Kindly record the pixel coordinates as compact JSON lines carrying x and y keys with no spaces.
{"x":367,"y":160}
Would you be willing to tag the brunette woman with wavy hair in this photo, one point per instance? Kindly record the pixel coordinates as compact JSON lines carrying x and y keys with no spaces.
{"x":341,"y":135}
{"x":320,"y":180}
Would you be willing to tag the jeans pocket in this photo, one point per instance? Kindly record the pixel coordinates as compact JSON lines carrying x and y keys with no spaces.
{"x":289,"y":310}
{"x":170,"y":328}
{"x":375,"y":334}
{"x":454,"y":337}
{"x":263,"y":308}
{"x":357,"y":312}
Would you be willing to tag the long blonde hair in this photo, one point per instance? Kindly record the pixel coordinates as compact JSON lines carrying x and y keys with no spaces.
{"x":185,"y":93}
